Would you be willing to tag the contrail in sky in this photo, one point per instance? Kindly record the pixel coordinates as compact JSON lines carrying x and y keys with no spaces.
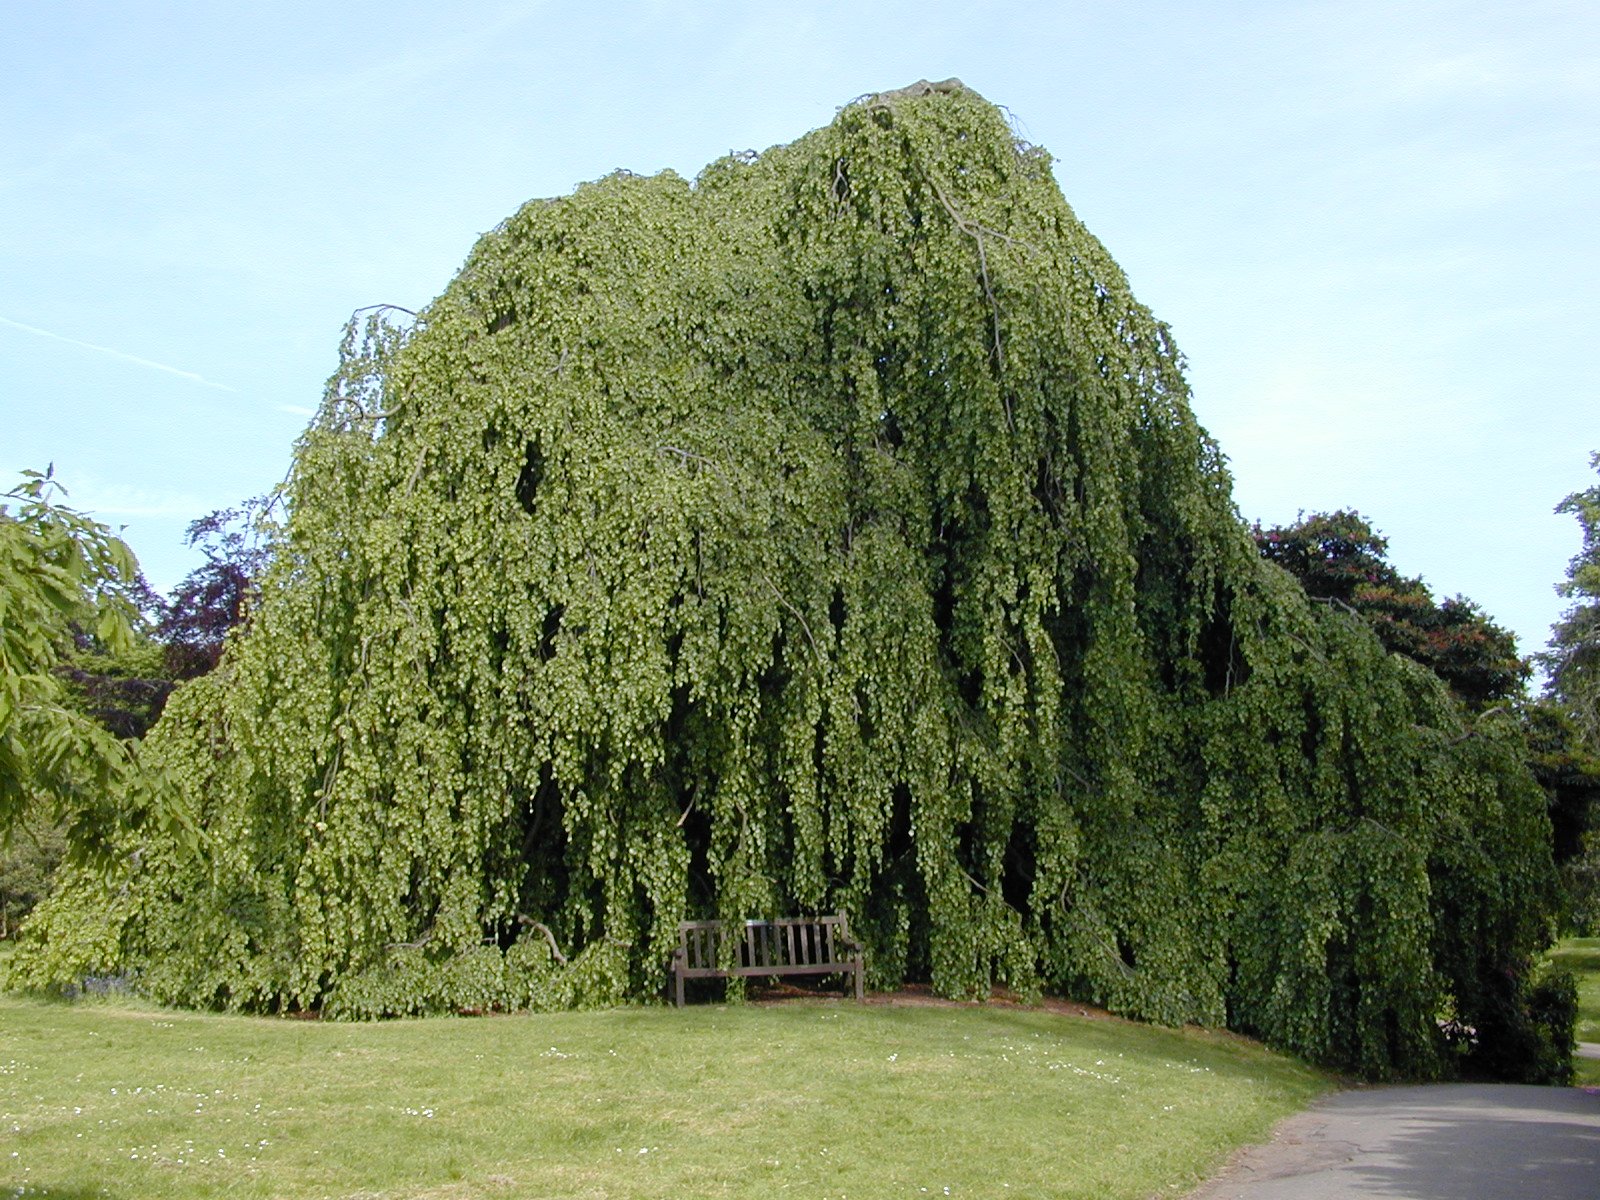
{"x":133,"y":358}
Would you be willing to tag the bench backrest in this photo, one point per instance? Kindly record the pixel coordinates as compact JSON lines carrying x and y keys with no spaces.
{"x":783,"y":942}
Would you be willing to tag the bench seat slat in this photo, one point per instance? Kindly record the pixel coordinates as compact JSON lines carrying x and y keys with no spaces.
{"x":747,"y":972}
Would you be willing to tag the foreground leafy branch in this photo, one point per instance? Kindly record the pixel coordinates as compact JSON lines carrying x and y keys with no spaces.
{"x":64,"y":579}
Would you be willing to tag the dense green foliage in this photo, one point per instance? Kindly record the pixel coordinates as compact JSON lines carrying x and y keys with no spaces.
{"x":28,"y":861}
{"x":831,"y":532}
{"x":93,"y":652}
{"x":1339,"y":557}
{"x":1534,"y":1040}
{"x":1568,"y":771}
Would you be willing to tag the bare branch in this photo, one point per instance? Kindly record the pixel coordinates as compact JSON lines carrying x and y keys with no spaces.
{"x":978,"y":233}
{"x":800,"y":616}
{"x":1335,"y":602}
{"x":416,"y":945}
{"x":548,"y":936}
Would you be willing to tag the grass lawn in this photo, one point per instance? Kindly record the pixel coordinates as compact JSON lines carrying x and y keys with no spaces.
{"x":808,"y":1098}
{"x":1581,"y":956}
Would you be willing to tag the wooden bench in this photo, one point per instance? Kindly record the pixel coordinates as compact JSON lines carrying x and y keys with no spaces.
{"x":785,"y":946}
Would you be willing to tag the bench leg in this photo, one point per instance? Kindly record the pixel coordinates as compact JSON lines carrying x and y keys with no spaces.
{"x":677,"y":978}
{"x":861,"y":994}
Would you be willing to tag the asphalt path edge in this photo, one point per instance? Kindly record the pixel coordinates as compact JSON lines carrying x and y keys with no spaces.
{"x":1426,"y":1142}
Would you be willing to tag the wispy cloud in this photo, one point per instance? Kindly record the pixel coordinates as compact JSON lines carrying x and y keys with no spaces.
{"x":298,"y":410}
{"x":150,"y":364}
{"x":107,"y":499}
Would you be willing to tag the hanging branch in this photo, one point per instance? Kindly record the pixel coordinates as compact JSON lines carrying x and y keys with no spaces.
{"x":978,"y":233}
{"x":416,"y":945}
{"x":799,"y":616}
{"x":548,"y":936}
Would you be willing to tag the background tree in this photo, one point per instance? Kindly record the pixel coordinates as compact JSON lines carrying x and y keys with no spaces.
{"x":1339,"y":557}
{"x":125,"y":688}
{"x":1570,"y":745}
{"x":1573,"y":659}
{"x":215,"y":597}
{"x":1569,"y":773}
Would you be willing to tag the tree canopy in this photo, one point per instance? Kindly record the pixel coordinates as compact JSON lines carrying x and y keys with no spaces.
{"x":831,"y":531}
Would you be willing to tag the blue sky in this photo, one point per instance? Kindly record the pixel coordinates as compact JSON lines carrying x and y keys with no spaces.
{"x":1372,"y":227}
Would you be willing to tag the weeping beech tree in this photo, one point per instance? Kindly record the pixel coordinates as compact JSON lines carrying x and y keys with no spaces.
{"x":830,"y":532}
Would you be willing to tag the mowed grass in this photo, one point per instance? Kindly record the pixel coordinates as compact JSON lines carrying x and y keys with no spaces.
{"x":808,"y":1099}
{"x":1581,"y":956}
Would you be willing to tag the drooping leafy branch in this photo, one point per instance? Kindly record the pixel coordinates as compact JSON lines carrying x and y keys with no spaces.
{"x":831,"y":531}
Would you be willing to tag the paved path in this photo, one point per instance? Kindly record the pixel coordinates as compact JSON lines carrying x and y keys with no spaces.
{"x":1449,"y":1141}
